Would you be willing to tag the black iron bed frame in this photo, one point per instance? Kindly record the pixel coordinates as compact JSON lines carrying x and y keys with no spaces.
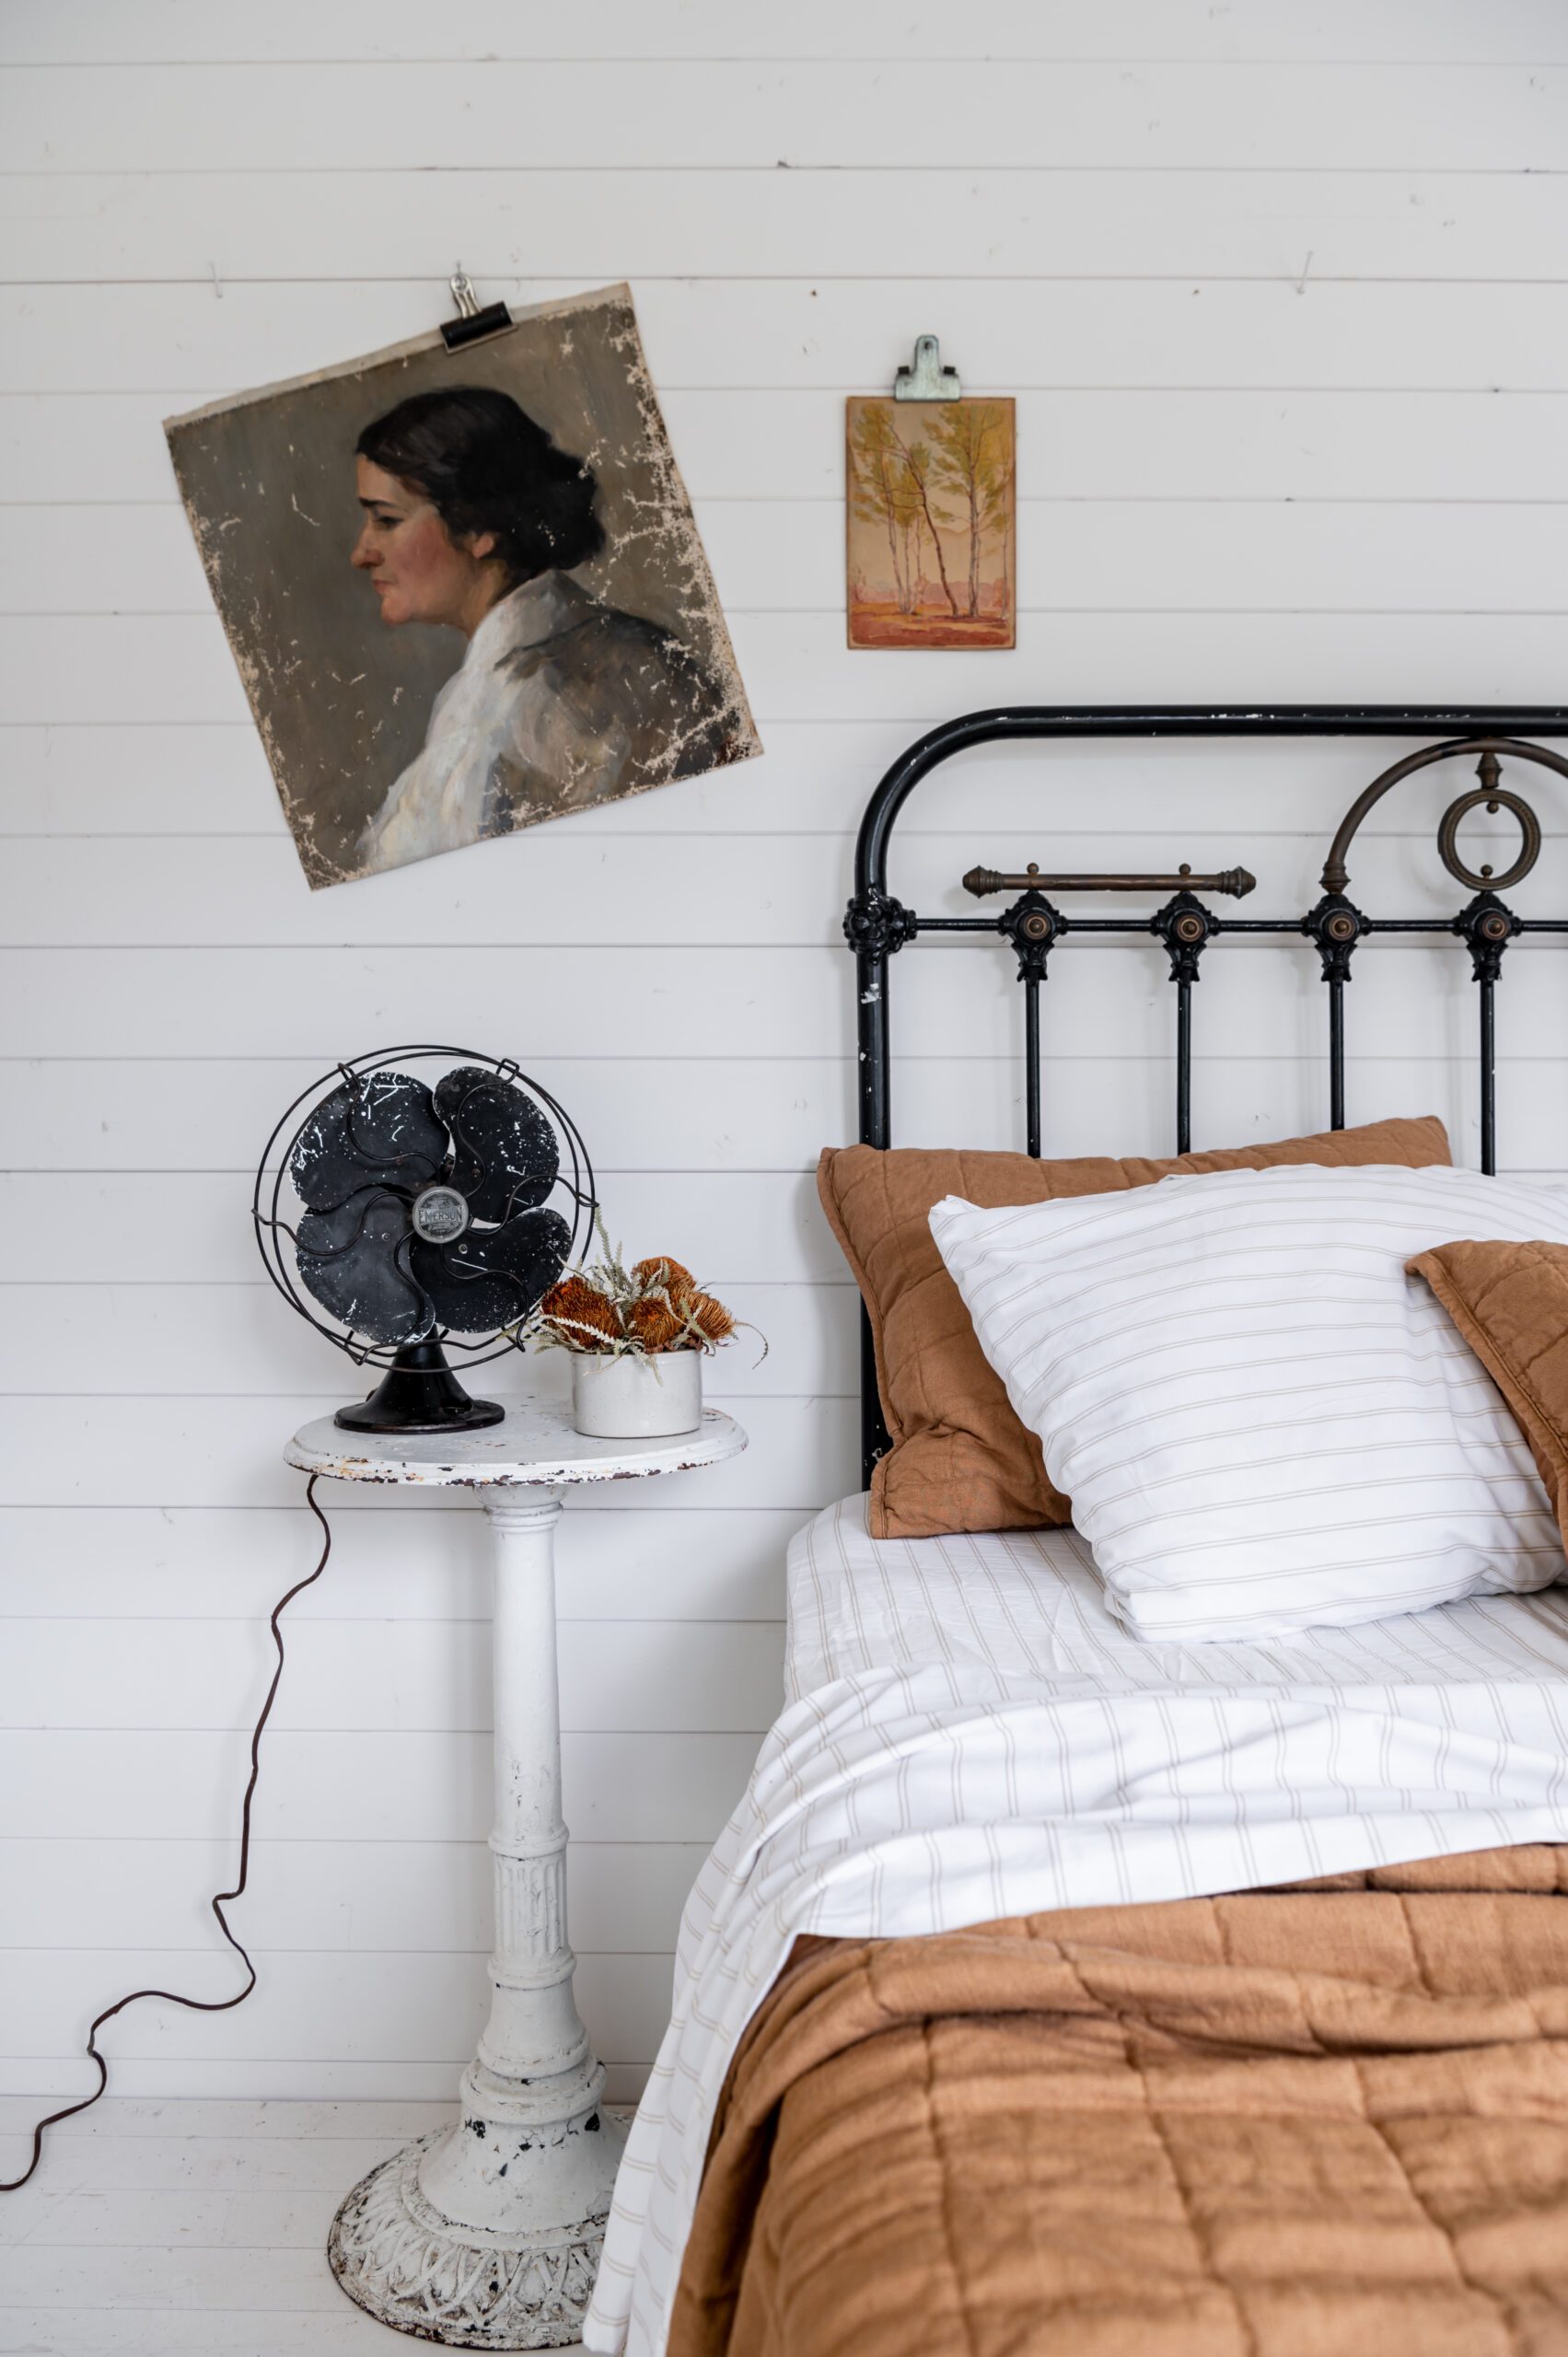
{"x":877,"y":925}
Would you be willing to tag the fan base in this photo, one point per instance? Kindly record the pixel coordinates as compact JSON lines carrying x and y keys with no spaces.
{"x":419,"y":1393}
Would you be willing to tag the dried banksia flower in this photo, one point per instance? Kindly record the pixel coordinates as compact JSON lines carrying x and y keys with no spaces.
{"x":656,"y":1306}
{"x":655,"y":1324}
{"x":579,"y":1314}
{"x":711,"y":1317}
{"x":666,"y":1276}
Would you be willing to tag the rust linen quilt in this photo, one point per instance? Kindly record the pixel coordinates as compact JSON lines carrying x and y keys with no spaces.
{"x":1330,"y":2119}
{"x":970,"y":1735}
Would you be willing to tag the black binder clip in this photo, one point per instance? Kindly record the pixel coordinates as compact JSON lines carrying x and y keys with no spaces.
{"x":471,"y":325}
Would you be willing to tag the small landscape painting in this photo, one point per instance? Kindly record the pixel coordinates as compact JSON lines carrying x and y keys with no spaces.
{"x":931,"y":538}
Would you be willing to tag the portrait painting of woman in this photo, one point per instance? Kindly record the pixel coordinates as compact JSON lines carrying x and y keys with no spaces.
{"x":482,"y":602}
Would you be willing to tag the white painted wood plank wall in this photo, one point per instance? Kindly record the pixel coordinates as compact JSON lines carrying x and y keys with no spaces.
{"x":1238,"y":482}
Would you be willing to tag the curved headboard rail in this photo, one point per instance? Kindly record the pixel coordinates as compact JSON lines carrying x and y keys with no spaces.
{"x":877,"y":925}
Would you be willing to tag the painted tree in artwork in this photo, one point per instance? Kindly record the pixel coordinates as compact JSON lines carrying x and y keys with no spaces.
{"x":920,"y":469}
{"x":883,"y":493}
{"x":970,"y":465}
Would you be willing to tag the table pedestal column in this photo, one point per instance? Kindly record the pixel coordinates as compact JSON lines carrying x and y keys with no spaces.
{"x":488,"y":2234}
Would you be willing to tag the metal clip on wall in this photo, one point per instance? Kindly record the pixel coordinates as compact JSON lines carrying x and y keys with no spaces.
{"x":927,"y":380}
{"x":471,"y":325}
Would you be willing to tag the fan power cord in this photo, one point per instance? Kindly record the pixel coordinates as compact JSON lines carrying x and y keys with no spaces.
{"x":198,"y":2004}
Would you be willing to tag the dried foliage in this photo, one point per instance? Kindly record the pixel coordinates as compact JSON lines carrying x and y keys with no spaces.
{"x":656,"y":1305}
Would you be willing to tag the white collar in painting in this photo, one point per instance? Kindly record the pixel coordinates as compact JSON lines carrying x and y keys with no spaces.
{"x":540,"y":609}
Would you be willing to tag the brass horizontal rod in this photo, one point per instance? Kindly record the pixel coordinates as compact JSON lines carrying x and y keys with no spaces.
{"x":1233,"y":882}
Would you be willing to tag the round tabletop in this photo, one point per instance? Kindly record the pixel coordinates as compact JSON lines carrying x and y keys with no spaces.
{"x":535,"y":1446}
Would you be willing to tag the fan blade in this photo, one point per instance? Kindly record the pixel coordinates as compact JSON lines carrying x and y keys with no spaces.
{"x":493,"y":1276}
{"x":380,"y":1127}
{"x":506,"y":1159}
{"x":347,"y":1258}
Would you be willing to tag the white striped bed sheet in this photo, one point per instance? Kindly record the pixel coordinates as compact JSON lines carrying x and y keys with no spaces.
{"x":1031,"y":1603}
{"x":970,"y":1734}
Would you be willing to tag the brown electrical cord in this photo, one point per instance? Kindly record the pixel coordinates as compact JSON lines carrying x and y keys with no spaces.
{"x":197,"y":2005}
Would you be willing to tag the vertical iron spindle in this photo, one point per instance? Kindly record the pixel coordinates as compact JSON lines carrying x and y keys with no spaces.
{"x":1183,"y":1066}
{"x":1488,"y":1079}
{"x":1032,"y":1062}
{"x":1336,"y":1053}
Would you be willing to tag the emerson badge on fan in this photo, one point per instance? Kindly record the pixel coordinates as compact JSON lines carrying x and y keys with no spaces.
{"x":464,"y":588}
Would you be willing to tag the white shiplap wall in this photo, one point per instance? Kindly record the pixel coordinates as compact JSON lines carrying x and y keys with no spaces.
{"x":1238,"y":482}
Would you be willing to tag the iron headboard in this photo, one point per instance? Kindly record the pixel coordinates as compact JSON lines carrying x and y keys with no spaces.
{"x":877,"y":926}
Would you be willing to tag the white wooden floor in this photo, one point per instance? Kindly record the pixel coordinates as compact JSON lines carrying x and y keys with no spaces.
{"x":158,"y":2227}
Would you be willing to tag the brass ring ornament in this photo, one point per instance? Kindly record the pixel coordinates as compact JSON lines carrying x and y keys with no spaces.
{"x":1336,"y":874}
{"x":1530,"y":838}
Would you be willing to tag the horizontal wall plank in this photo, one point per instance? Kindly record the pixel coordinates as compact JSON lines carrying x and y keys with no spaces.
{"x":317,"y":1004}
{"x":1097,"y":1101}
{"x":744,"y":1227}
{"x":1259,"y":998}
{"x":272,"y":2079}
{"x":1173,"y":115}
{"x":220,"y":888}
{"x":101,"y":1113}
{"x":214,"y":892}
{"x":223,"y":1452}
{"x":217,"y":1562}
{"x":832,"y":335}
{"x":426,"y":2005}
{"x":1340,"y":656}
{"x":62,"y":1784}
{"x":1074,"y":556}
{"x":147,"y":32}
{"x":117,"y":1897}
{"x":844,"y":221}
{"x":189,"y":780}
{"x":137,"y":668}
{"x":241,"y":1340}
{"x":631,"y":1675}
{"x":1156,"y":442}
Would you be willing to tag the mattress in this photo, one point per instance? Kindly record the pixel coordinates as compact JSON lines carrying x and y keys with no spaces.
{"x":968,"y":1734}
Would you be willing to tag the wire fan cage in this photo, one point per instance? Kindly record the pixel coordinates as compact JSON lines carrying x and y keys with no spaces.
{"x":424,"y":1199}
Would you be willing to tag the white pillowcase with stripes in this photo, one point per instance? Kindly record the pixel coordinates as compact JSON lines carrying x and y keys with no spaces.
{"x":1263,"y":1423}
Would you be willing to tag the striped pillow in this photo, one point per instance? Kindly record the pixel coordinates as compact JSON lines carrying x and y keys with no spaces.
{"x":1263,"y":1423}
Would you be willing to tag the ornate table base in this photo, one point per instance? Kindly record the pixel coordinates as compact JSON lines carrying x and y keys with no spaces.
{"x":416,"y":2269}
{"x":488,"y":2234}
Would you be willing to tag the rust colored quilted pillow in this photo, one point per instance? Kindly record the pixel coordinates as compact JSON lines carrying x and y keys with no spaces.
{"x":960,"y":1459}
{"x":1510,"y":1302}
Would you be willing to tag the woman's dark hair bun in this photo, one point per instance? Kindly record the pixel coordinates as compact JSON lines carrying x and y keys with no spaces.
{"x":486,"y":467}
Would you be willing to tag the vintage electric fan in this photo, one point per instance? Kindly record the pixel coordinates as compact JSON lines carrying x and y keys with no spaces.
{"x":425,"y":1194}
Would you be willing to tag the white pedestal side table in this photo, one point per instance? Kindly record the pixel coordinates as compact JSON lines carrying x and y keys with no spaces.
{"x":488,"y":2234}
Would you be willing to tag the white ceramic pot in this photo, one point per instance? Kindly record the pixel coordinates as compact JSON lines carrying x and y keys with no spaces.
{"x":636,"y":1398}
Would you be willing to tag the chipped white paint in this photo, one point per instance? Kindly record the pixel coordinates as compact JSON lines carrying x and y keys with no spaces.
{"x":487,"y":2234}
{"x":534,"y":1447}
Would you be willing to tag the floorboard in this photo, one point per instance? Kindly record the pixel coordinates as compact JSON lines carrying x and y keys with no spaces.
{"x":165,"y":2227}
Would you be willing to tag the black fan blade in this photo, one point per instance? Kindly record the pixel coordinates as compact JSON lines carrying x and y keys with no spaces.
{"x":381,"y":1128}
{"x":349,"y":1258}
{"x":493,"y":1276}
{"x":505,"y":1157}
